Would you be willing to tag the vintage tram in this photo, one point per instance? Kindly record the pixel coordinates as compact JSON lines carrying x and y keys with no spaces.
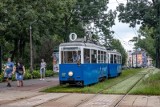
{"x":83,"y":63}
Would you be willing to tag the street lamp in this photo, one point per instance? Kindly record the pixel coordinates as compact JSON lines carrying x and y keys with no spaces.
{"x":31,"y":47}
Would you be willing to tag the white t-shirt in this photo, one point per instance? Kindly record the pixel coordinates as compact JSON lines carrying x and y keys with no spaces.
{"x":43,"y":65}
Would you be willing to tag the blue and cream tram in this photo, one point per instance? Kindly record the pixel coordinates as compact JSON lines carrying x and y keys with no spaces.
{"x":85,"y":63}
{"x":114,"y":63}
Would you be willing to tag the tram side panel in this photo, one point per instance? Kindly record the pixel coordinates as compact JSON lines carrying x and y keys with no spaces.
{"x":84,"y":74}
{"x":90,"y":73}
{"x":93,"y":73}
{"x":103,"y":71}
{"x":114,"y":70}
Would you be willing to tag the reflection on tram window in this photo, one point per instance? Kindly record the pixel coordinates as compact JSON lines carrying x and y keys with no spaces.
{"x":70,"y":56}
{"x":86,"y":55}
{"x":76,"y":56}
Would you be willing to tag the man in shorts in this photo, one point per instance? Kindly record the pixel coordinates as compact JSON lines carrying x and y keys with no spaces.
{"x":8,"y":71}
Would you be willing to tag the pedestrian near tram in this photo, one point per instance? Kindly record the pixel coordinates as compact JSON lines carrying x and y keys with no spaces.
{"x":42,"y":69}
{"x":20,"y":71}
{"x":8,"y":71}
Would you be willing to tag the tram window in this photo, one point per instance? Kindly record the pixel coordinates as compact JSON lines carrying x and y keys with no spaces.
{"x":99,"y":57}
{"x":93,"y":56}
{"x":120,"y":59}
{"x":105,"y":57}
{"x":86,"y":55}
{"x":115,"y":59}
{"x":62,"y":60}
{"x":111,"y":58}
{"x":76,"y":56}
{"x":70,"y":56}
{"x":102,"y":58}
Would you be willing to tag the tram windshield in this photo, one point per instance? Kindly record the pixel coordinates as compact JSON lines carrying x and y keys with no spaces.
{"x":70,"y":56}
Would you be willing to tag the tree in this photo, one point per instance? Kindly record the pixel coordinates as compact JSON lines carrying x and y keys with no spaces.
{"x":87,"y":12}
{"x":146,"y":13}
{"x":147,"y":42}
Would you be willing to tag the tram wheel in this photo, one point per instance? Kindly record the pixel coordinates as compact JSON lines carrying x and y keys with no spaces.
{"x":80,"y":83}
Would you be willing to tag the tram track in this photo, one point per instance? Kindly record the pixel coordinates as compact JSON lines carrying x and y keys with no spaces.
{"x":119,"y":101}
{"x":126,"y":94}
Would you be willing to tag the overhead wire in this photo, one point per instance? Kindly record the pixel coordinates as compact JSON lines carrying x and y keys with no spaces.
{"x":122,"y":40}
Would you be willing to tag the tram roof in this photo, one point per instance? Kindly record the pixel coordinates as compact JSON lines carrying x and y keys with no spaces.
{"x":91,"y":45}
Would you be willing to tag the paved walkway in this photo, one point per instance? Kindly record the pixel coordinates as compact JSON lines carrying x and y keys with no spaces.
{"x":29,"y":96}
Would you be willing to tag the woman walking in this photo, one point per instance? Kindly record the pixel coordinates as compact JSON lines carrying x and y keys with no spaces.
{"x":20,"y":71}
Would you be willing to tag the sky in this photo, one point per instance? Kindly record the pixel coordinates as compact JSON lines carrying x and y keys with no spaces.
{"x":122,"y":30}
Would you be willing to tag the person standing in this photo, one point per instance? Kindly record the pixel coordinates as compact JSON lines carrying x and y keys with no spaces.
{"x":8,"y":71}
{"x":42,"y":69}
{"x":20,"y":71}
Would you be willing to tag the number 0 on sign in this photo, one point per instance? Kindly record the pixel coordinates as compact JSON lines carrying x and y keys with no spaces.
{"x":73,"y":36}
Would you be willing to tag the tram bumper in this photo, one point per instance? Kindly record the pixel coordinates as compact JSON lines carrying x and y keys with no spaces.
{"x":71,"y":80}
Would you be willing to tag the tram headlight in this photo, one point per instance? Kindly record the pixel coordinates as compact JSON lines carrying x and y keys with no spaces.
{"x":70,"y":73}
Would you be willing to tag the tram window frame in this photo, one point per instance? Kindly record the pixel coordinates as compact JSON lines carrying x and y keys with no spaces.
{"x":99,"y":56}
{"x":115,"y":58}
{"x":62,"y":57}
{"x":120,"y":59}
{"x":102,"y":57}
{"x":105,"y":57}
{"x":93,"y":56}
{"x":111,"y":58}
{"x":67,"y":56}
{"x":86,"y":57}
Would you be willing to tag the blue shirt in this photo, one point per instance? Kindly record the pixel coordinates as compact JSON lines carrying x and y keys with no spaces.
{"x":9,"y":66}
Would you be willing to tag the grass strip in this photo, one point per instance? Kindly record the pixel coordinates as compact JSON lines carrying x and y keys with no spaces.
{"x":148,"y":86}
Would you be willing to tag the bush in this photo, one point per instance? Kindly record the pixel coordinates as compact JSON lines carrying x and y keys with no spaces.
{"x":1,"y":77}
{"x":36,"y":74}
{"x":49,"y":73}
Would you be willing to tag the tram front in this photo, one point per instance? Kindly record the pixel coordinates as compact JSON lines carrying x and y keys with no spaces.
{"x":70,"y":61}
